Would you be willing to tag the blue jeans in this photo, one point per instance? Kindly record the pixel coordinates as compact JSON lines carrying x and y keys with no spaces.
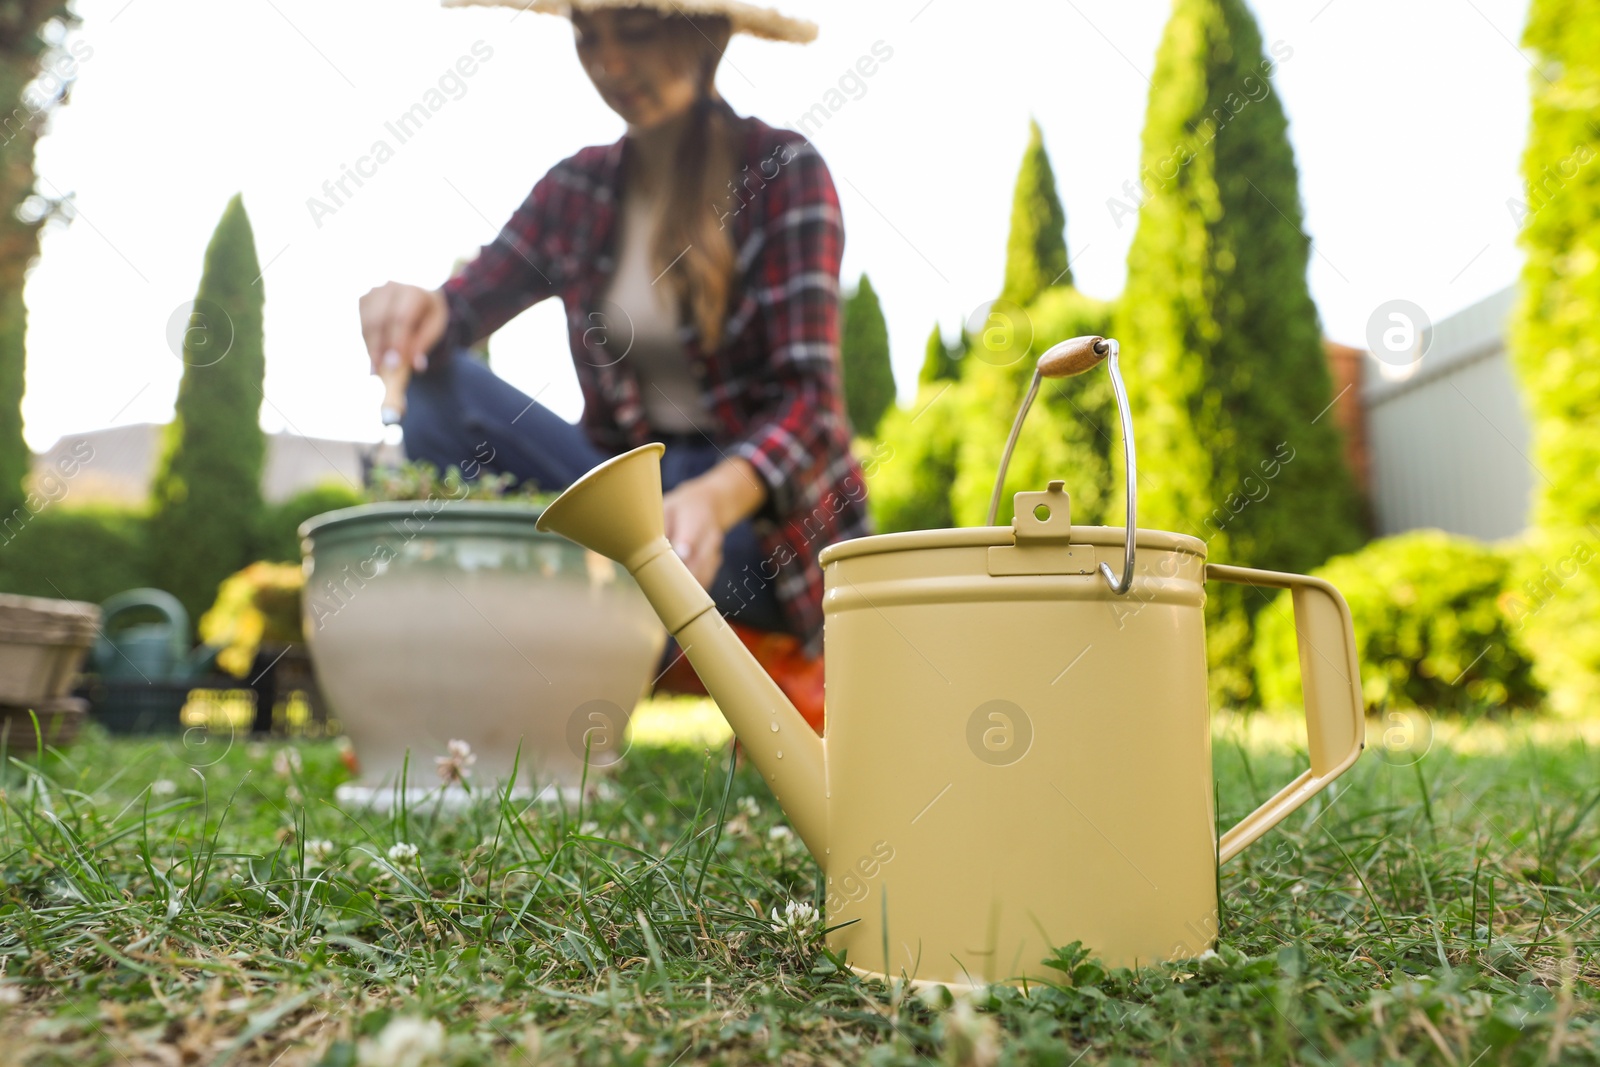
{"x":459,"y":405}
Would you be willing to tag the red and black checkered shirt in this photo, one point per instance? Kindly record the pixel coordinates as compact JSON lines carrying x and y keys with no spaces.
{"x":771,"y":388}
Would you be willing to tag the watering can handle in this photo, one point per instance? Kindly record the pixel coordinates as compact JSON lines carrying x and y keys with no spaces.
{"x":1074,"y":356}
{"x":1330,"y":678}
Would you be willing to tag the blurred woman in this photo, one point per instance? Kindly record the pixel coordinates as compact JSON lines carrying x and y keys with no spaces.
{"x":698,"y":260}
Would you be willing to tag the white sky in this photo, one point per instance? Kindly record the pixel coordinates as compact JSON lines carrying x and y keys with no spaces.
{"x":1408,"y":121}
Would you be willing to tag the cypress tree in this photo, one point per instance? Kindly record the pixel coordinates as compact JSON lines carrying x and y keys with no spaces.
{"x":208,"y":511}
{"x":1064,"y":436}
{"x":939,"y":362}
{"x":947,"y":450}
{"x":1555,"y":340}
{"x":1036,"y":250}
{"x":1221,"y":342}
{"x":864,"y":353}
{"x":1555,"y":349}
{"x":15,"y":456}
{"x":31,"y":73}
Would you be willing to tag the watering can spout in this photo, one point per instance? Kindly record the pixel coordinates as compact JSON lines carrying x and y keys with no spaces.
{"x":615,"y":510}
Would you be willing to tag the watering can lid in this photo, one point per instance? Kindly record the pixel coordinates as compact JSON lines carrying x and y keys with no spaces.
{"x":979,"y":536}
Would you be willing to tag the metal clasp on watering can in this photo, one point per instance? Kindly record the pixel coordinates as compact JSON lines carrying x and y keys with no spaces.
{"x":1017,"y":751}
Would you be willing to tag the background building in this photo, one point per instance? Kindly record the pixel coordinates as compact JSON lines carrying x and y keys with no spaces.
{"x":124,"y":463}
{"x":1446,"y":441}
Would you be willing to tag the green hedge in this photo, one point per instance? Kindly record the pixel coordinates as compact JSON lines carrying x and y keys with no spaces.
{"x":89,"y":553}
{"x":279,"y":541}
{"x":1434,"y":627}
{"x":1553,"y":600}
{"x":910,"y":489}
{"x":1070,"y":431}
{"x":78,"y":553}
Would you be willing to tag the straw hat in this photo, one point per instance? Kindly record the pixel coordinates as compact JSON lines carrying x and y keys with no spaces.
{"x":745,"y":18}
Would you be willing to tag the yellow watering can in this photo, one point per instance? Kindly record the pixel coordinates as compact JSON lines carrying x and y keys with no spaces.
{"x":1017,"y":751}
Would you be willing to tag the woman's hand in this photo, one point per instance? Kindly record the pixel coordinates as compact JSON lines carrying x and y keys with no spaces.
{"x":406,"y":319}
{"x":700,"y":511}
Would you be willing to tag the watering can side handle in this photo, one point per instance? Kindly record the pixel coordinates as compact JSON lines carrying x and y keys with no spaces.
{"x":1330,"y":677}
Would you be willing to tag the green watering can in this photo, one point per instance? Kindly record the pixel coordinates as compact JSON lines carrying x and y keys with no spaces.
{"x":133,"y":646}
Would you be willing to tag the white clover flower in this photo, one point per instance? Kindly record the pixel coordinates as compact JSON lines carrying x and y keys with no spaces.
{"x":971,"y":1037}
{"x":453,"y":767}
{"x":406,"y":1042}
{"x":780,"y":834}
{"x":163,"y":787}
{"x":1208,"y":954}
{"x":749,"y":806}
{"x":318,"y":849}
{"x":286,"y":762}
{"x":402,"y":852}
{"x":798,"y":918}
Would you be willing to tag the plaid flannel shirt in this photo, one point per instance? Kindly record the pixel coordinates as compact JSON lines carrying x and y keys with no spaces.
{"x":772,"y":387}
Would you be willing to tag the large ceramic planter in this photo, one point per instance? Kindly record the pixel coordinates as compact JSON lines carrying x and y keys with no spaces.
{"x":429,"y":621}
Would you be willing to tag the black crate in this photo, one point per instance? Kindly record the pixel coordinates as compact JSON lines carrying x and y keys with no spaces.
{"x":141,"y":707}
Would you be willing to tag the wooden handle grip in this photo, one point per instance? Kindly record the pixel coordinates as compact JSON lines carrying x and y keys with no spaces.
{"x":395,"y":376}
{"x":1073,"y":356}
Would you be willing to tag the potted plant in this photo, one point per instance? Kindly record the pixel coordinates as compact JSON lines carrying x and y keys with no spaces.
{"x":255,"y":624}
{"x":439,"y":614}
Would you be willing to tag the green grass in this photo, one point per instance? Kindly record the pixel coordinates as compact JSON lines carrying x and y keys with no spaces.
{"x":1442,"y":912}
